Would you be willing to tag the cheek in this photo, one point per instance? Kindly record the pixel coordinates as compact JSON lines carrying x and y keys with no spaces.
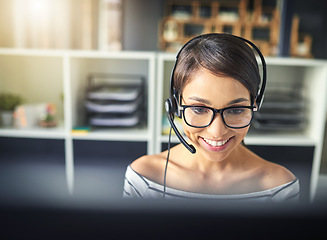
{"x":238,"y":133}
{"x":187,"y":128}
{"x":241,"y":133}
{"x":189,"y":131}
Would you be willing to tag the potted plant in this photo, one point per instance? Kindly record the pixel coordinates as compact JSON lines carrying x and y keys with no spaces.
{"x":47,"y":119}
{"x":8,"y":103}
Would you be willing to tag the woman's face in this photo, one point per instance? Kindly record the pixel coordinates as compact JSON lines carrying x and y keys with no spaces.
{"x":216,"y":141}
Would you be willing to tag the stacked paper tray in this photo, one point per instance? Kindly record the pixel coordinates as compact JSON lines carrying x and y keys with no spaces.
{"x":281,"y":111}
{"x":115,"y":100}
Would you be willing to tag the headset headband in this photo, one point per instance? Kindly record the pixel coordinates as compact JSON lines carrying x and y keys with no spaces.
{"x":258,"y":98}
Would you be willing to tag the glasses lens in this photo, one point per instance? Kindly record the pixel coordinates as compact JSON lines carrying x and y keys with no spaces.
{"x":237,"y":117}
{"x":198,"y":116}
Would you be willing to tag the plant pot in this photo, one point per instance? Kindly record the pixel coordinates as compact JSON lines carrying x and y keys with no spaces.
{"x":7,"y":118}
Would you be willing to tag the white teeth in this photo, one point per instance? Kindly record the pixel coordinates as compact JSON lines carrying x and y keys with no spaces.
{"x":216,"y":143}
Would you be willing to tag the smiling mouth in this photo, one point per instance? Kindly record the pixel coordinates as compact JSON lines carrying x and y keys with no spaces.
{"x":216,"y":143}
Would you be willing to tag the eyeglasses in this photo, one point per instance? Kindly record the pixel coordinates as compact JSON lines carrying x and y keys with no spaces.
{"x":233,"y":117}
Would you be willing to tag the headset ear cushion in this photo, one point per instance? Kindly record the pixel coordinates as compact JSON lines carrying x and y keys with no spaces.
{"x":175,"y":104}
{"x":168,"y":106}
{"x":175,"y":107}
{"x":171,"y":107}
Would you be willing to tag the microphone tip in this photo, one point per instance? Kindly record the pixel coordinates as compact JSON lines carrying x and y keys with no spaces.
{"x":192,"y":149}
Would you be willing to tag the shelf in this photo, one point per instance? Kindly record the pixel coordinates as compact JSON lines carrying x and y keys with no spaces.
{"x":295,"y":62}
{"x":114,"y":134}
{"x":296,"y":139}
{"x":280,"y":139}
{"x":31,"y":52}
{"x":59,"y":133}
{"x":132,"y":55}
{"x":37,"y":132}
{"x":76,"y":53}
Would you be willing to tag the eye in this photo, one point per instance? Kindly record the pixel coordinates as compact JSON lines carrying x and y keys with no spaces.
{"x":235,"y":111}
{"x":200,"y":110}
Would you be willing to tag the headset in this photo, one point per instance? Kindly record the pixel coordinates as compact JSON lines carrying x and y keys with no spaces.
{"x":172,"y":103}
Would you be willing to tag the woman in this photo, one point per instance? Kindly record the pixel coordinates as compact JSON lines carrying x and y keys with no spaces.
{"x":216,"y":81}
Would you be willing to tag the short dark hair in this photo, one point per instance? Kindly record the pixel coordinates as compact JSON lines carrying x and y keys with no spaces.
{"x":221,"y":54}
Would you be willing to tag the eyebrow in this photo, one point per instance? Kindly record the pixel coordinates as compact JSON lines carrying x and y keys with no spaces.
{"x":238,"y":100}
{"x":201,"y":100}
{"x":205,"y":101}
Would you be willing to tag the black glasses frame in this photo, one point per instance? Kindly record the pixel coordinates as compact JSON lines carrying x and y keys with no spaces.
{"x":215,"y":111}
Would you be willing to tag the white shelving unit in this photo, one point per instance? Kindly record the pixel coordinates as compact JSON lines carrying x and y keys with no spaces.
{"x":45,"y":75}
{"x":311,"y":74}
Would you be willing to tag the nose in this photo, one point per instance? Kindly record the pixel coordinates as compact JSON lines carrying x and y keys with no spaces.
{"x":217,"y":128}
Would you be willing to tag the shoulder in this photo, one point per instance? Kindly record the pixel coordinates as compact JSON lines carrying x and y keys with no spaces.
{"x":150,"y":166}
{"x":153,"y":166}
{"x":138,"y":173}
{"x":282,"y":182}
{"x":274,"y":175}
{"x":268,"y":174}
